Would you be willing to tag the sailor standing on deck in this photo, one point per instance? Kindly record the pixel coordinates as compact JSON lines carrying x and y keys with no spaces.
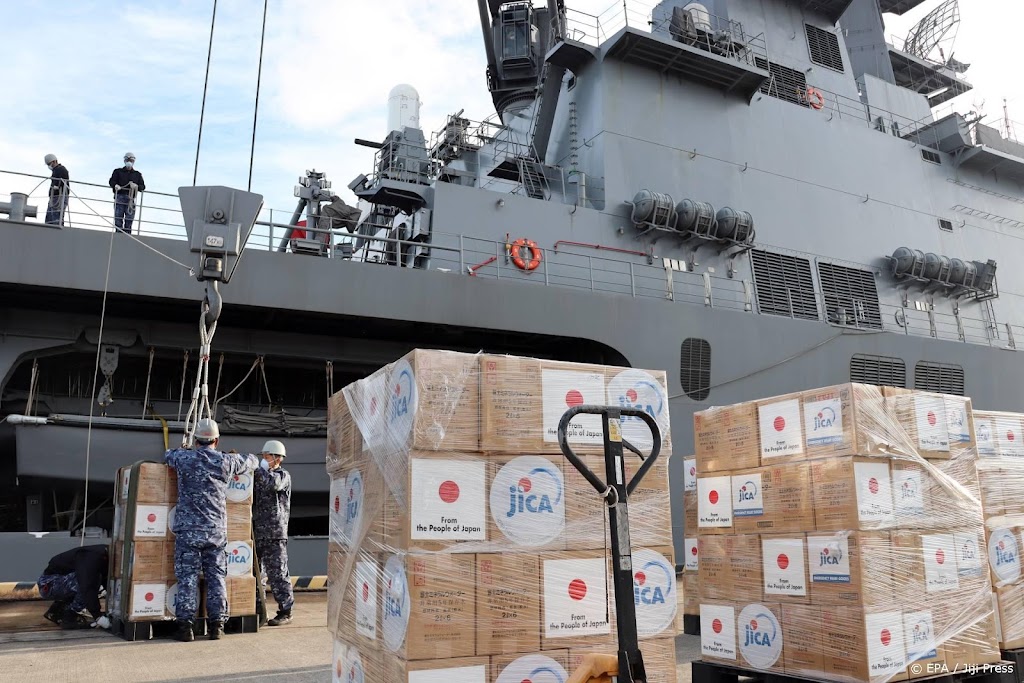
{"x":126,"y":182}
{"x":57,"y":202}
{"x":271,"y":507}
{"x":201,"y":526}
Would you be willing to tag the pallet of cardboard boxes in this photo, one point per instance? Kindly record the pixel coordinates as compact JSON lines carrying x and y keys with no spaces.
{"x":463,"y":546}
{"x":840,"y":535}
{"x":142,"y":586}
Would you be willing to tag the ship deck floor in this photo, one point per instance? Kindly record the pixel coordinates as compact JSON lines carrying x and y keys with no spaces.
{"x":32,"y":650}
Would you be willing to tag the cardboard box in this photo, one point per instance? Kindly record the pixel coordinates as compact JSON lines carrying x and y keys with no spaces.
{"x":445,"y":506}
{"x":468,"y":670}
{"x":850,"y":568}
{"x":356,"y":610}
{"x":516,"y":668}
{"x":852,"y":494}
{"x":240,"y":557}
{"x":760,"y":636}
{"x":691,"y":597}
{"x":690,"y":527}
{"x":240,"y":488}
{"x":360,"y":503}
{"x":924,"y":566}
{"x":650,"y":507}
{"x":148,"y":600}
{"x":999,"y":434}
{"x":847,"y":419}
{"x":780,"y":429}
{"x":239,"y":522}
{"x":994,"y":492}
{"x":659,"y":660}
{"x":726,"y":438}
{"x":865,"y":646}
{"x":341,"y":429}
{"x":655,"y":591}
{"x":523,"y":399}
{"x":784,"y":568}
{"x":937,"y":494}
{"x":718,"y":642}
{"x":429,"y":605}
{"x":926,"y":653}
{"x":157,"y":484}
{"x":691,"y":555}
{"x":152,"y":561}
{"x":730,"y":568}
{"x":507,"y":603}
{"x":646,"y":390}
{"x":935,"y":426}
{"x":974,"y":645}
{"x":352,"y":663}
{"x":241,"y":594}
{"x":773,"y":499}
{"x":1004,"y":546}
{"x":714,"y":504}
{"x":149,"y":521}
{"x":1010,"y":604}
{"x":534,"y":507}
{"x":575,"y":600}
{"x":804,"y":648}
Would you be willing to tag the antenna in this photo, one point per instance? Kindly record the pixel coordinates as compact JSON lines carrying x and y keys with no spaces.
{"x":932,"y":31}
{"x":1007,"y":122}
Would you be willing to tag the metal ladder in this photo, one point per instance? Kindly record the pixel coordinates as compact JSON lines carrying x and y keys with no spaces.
{"x":532,"y":178}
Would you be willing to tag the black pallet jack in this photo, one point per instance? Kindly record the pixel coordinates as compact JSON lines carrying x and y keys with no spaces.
{"x":628,"y":665}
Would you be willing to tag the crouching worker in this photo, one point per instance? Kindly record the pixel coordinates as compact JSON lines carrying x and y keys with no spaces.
{"x":73,"y":580}
{"x":201,"y":527}
{"x":271,"y":507}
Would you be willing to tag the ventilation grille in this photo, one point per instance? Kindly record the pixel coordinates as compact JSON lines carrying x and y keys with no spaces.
{"x":784,"y":285}
{"x":945,"y":225}
{"x":850,"y":296}
{"x":785,"y":83}
{"x":931,"y":156}
{"x":824,"y":47}
{"x":942,"y":378}
{"x":695,"y":368}
{"x":883,"y":371}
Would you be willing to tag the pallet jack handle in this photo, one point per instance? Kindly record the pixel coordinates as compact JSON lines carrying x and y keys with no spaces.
{"x":628,"y":666}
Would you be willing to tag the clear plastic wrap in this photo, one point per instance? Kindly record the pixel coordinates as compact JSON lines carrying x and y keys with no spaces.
{"x":464,"y":546}
{"x":142,"y":584}
{"x":839,"y":534}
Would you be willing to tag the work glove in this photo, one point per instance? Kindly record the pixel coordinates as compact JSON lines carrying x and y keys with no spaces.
{"x":264,"y":465}
{"x":117,"y":188}
{"x":133,"y":185}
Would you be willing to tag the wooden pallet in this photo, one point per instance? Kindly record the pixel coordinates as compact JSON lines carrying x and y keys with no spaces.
{"x":165,"y":628}
{"x":707,"y":672}
{"x":1015,"y":657}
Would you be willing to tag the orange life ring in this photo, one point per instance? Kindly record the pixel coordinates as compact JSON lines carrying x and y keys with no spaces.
{"x":518,"y":260}
{"x":815,"y":98}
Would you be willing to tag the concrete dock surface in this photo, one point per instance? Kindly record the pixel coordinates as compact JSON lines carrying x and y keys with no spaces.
{"x":300,"y":652}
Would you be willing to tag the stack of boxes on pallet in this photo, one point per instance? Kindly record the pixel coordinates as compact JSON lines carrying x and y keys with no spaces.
{"x":1001,"y":470}
{"x":463,"y":545}
{"x":142,"y":582}
{"x":840,"y":534}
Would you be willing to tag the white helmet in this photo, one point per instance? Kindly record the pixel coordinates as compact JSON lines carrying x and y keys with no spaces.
{"x":50,"y":158}
{"x":207,"y":430}
{"x":274,"y":448}
{"x":129,"y":155}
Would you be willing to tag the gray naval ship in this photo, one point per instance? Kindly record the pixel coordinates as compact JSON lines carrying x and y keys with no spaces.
{"x":753,"y":195}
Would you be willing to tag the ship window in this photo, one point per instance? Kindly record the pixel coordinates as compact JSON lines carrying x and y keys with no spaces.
{"x":931,"y":156}
{"x":851,"y":297}
{"x":945,"y":225}
{"x":824,"y":47}
{"x":883,"y":371}
{"x":785,"y":83}
{"x":942,"y":378}
{"x":784,"y":285}
{"x":695,"y":368}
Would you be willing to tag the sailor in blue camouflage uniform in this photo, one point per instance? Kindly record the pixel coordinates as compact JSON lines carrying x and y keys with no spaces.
{"x":201,"y":526}
{"x":271,"y":506}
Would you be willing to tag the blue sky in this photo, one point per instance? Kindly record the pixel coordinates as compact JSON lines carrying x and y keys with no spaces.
{"x":93,"y":80}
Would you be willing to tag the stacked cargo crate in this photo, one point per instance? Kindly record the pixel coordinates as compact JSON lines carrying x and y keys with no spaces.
{"x":142,"y":582}
{"x":1001,"y":470}
{"x":462,"y":542}
{"x":839,"y":532}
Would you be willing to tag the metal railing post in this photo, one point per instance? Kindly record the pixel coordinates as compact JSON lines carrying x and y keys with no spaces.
{"x":139,"y":217}
{"x":497,"y":259}
{"x":632,"y":280}
{"x":590,"y":260}
{"x":462,"y":253}
{"x":544,"y":254}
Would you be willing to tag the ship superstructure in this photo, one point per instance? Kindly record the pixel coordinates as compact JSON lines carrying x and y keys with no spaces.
{"x":753,"y":195}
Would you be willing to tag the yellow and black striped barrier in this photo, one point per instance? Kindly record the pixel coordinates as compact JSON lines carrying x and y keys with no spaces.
{"x":309,"y":583}
{"x":19,"y":590}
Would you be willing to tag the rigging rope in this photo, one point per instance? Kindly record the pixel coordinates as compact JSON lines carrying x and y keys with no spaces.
{"x":92,"y":401}
{"x":256,"y":107}
{"x":255,"y":363}
{"x":200,"y":406}
{"x":216,"y":387}
{"x":206,"y":82}
{"x":181,"y":393}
